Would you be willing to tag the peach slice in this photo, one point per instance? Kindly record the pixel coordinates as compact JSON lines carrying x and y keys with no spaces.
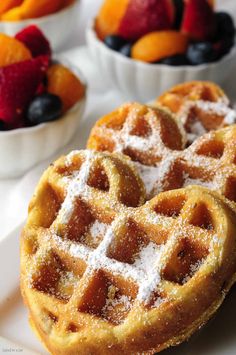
{"x":158,"y":45}
{"x":109,"y":17}
{"x":6,"y":5}
{"x":63,"y":83}
{"x":33,"y":9}
{"x":12,"y":51}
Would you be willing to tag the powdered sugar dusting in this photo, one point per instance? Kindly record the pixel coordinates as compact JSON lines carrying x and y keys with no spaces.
{"x":219,"y":108}
{"x":145,"y":271}
{"x":126,"y":138}
{"x":193,"y":269}
{"x":197,"y":130}
{"x":97,"y":229}
{"x":149,"y":264}
{"x":189,"y":181}
{"x":77,"y":187}
{"x":148,"y":174}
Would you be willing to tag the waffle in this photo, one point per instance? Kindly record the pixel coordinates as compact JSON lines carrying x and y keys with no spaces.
{"x":101,"y":273}
{"x":200,"y":106}
{"x":144,"y":133}
{"x":210,"y":161}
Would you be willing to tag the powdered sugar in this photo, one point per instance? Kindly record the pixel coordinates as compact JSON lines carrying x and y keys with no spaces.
{"x":70,"y":156}
{"x":197,"y":130}
{"x":148,"y":174}
{"x":219,"y":108}
{"x":77,"y":186}
{"x":193,"y":269}
{"x":164,"y":169}
{"x":189,"y":181}
{"x":145,"y":271}
{"x":148,"y":264}
{"x":97,"y":229}
{"x":126,"y":137}
{"x":122,"y":300}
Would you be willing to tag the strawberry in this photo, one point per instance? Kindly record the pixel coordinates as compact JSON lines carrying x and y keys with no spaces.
{"x":199,"y":20}
{"x":18,"y":85}
{"x":35,"y":41}
{"x":142,"y":17}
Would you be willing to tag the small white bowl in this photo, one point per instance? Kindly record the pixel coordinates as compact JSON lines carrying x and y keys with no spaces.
{"x":22,"y":148}
{"x":142,"y":81}
{"x":58,"y":27}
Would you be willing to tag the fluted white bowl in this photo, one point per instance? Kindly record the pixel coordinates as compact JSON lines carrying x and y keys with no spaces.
{"x":142,"y":81}
{"x":21,"y":149}
{"x":58,"y":27}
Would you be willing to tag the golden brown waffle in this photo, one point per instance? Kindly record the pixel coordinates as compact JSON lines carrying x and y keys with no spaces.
{"x":210,"y":161}
{"x":141,"y":132}
{"x":201,"y":107}
{"x":103,"y":276}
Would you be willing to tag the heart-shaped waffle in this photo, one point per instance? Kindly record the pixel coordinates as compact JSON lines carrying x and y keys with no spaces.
{"x":201,"y":107}
{"x":101,"y":275}
{"x":210,"y":161}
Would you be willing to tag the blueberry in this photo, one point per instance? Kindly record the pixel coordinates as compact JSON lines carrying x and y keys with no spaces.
{"x":179,"y":10}
{"x":225,"y":45}
{"x":224,"y":25}
{"x":175,"y":60}
{"x":114,"y":42}
{"x":126,"y":49}
{"x":201,"y":52}
{"x":44,"y":108}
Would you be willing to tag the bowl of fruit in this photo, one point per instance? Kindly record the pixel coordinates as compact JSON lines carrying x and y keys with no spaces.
{"x":46,"y":14}
{"x":144,"y":47}
{"x":41,"y":101}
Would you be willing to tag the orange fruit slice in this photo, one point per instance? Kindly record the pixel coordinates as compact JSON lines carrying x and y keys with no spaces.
{"x":63,"y":83}
{"x":158,"y":45}
{"x":12,"y":51}
{"x":33,"y":9}
{"x":6,"y":5}
{"x":13,"y":15}
{"x":109,"y":17}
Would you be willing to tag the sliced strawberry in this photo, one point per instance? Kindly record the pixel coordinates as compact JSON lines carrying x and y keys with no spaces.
{"x":142,"y":17}
{"x":199,"y":20}
{"x":18,"y":85}
{"x":41,"y":89}
{"x":35,"y":41}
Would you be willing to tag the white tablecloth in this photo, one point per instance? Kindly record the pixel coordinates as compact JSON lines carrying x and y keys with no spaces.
{"x":15,"y":193}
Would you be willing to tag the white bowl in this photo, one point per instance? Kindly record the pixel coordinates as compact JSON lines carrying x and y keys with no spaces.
{"x":58,"y":27}
{"x":22,"y":148}
{"x":142,"y":81}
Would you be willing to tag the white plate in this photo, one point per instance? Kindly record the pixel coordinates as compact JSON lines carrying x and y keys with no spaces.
{"x":217,"y":338}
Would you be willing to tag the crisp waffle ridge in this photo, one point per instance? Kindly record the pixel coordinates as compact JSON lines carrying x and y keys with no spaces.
{"x":199,"y":106}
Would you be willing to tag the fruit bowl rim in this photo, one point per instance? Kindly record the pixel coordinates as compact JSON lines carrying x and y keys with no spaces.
{"x":41,"y":19}
{"x":90,"y":31}
{"x":31,"y":129}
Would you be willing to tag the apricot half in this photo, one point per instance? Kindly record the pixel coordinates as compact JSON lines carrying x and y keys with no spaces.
{"x":158,"y":45}
{"x":12,"y":51}
{"x":109,"y":17}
